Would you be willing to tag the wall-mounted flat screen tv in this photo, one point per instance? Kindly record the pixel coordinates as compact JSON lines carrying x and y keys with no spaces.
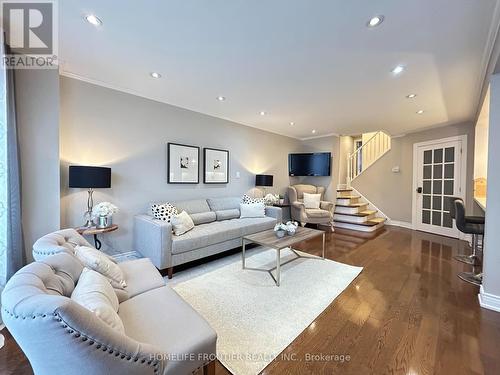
{"x":312,"y":164}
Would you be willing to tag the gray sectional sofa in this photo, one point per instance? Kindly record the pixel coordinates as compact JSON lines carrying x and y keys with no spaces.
{"x":217,"y":228}
{"x":163,"y":333}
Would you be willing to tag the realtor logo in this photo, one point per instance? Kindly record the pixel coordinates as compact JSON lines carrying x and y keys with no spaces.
{"x":30,"y":29}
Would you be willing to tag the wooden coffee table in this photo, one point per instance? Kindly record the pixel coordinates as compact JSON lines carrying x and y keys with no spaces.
{"x":269,"y":239}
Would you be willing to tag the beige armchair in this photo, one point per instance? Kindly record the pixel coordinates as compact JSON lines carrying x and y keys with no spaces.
{"x":322,"y":215}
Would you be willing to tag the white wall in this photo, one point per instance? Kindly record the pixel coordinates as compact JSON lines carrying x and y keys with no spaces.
{"x":37,"y":111}
{"x":490,"y":291}
{"x":346,"y":147}
{"x":104,"y":127}
{"x":481,"y":140}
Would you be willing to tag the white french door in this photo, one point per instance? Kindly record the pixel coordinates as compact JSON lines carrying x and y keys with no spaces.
{"x":439,"y":174}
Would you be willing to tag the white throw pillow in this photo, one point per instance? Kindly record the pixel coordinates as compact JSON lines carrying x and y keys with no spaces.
{"x":94,"y":292}
{"x":99,"y":262}
{"x":252,"y":210}
{"x":182,"y":223}
{"x":312,"y":200}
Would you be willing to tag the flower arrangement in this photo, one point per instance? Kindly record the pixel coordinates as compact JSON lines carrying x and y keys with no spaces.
{"x":280,"y":226}
{"x":271,"y":199}
{"x":289,"y":228}
{"x":280,"y":230}
{"x":104,"y":209}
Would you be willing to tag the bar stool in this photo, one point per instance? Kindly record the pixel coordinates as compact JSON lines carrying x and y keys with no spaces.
{"x":473,"y":225}
{"x":472,"y":259}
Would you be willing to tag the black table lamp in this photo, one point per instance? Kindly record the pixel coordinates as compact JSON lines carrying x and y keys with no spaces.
{"x":90,"y":178}
{"x":264,"y":180}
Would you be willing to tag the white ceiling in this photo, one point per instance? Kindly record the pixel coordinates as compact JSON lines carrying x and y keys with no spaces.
{"x":314,"y":63}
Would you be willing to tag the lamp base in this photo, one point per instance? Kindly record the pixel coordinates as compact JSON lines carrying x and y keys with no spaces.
{"x":87,"y":216}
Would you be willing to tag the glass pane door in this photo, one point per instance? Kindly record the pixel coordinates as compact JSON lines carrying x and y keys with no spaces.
{"x":439,"y":171}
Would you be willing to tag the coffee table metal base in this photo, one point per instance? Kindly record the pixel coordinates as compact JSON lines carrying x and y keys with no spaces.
{"x":278,"y":261}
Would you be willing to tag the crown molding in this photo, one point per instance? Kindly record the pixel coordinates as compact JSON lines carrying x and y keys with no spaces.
{"x":320,"y":136}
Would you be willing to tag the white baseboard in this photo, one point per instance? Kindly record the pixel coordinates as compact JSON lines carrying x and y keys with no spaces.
{"x":402,"y":224}
{"x":488,"y":301}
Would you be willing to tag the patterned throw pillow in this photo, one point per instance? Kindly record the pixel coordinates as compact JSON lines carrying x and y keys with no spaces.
{"x":249,"y":200}
{"x":163,"y":211}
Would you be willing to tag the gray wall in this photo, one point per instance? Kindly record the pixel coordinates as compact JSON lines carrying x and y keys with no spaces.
{"x":324,"y":144}
{"x":392,"y":192}
{"x":491,"y":261}
{"x":104,"y":127}
{"x":37,"y":110}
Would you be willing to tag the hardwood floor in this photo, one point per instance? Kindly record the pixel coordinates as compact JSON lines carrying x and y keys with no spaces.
{"x":407,"y":313}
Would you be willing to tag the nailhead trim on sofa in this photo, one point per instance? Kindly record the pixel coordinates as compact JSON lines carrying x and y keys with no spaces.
{"x":77,"y":334}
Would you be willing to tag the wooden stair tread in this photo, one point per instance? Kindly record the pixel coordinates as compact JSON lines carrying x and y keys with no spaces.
{"x":358,"y":214}
{"x":349,"y":197}
{"x":369,"y":223}
{"x":343,"y":190}
{"x":352,"y":205}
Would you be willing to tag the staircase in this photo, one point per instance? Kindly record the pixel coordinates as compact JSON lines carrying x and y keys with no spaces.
{"x":351,"y":212}
{"x":367,"y":154}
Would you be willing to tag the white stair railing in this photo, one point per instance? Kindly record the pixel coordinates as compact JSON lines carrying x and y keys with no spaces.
{"x":367,"y":154}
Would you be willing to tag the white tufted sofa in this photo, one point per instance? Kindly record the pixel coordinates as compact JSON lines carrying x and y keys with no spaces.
{"x":163,"y":334}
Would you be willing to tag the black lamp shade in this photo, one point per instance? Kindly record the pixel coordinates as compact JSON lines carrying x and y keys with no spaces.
{"x":86,"y":177}
{"x":263,"y":180}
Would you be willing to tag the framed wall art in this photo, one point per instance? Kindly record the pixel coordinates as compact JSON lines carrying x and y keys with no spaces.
{"x":183,"y":164}
{"x":215,"y":166}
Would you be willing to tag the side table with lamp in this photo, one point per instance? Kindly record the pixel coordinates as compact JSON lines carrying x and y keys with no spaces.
{"x":92,"y":231}
{"x":90,"y":177}
{"x":266,"y":180}
{"x":262,"y":181}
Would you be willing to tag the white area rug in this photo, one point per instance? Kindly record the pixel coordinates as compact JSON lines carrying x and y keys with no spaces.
{"x":254,"y":319}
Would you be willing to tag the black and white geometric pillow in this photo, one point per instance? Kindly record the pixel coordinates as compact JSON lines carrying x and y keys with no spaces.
{"x":248,"y":199}
{"x":163,"y":211}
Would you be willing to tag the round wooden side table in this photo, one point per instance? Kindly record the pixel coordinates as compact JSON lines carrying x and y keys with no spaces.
{"x":94,"y":231}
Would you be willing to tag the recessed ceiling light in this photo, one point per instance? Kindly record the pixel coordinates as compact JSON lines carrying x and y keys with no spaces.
{"x":155,"y":75}
{"x":314,"y":131}
{"x":221,"y":98}
{"x":420,"y":111}
{"x":398,"y":69}
{"x":92,"y":19}
{"x":292,"y":123}
{"x":411,"y":96}
{"x":262,"y":113}
{"x":375,"y":21}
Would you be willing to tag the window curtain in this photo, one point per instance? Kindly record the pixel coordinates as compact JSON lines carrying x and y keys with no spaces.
{"x":12,"y":255}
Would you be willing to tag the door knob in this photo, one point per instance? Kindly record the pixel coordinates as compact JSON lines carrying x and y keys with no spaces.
{"x":419,"y":190}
